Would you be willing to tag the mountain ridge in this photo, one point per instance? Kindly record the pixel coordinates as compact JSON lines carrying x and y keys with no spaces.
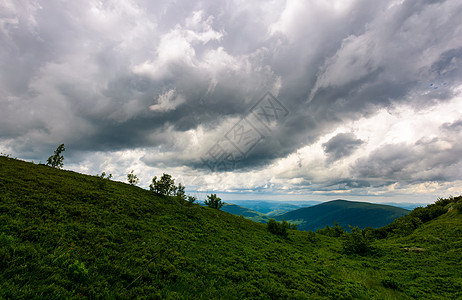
{"x":345,"y":213}
{"x":245,"y":212}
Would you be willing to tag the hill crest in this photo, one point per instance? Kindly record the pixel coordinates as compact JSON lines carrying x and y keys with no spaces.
{"x":345,"y":213}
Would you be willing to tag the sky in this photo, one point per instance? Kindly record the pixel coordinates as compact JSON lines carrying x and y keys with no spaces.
{"x":275,"y":100}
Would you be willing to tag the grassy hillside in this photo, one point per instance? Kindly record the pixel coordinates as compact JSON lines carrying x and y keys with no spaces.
{"x":430,"y":265}
{"x":245,"y":212}
{"x":67,"y":235}
{"x":345,"y":213}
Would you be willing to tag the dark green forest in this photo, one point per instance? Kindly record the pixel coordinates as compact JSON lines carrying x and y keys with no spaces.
{"x":68,"y":235}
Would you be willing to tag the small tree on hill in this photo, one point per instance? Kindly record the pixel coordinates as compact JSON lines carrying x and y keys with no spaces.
{"x":180,"y":193}
{"x":132,"y":178}
{"x":213,"y":201}
{"x":164,"y":186}
{"x":56,"y":160}
{"x":103,"y":178}
{"x":191,"y":199}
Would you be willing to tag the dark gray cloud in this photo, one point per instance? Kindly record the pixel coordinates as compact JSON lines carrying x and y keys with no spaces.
{"x":455,"y":126}
{"x":426,"y":160}
{"x":341,"y":145}
{"x":174,"y":77}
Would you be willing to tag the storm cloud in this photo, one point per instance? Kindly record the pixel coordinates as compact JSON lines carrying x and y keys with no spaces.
{"x":372,"y":91}
{"x":341,"y":145}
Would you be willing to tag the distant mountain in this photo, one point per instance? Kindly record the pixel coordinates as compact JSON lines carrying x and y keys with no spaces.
{"x":246,"y":212}
{"x":272,"y":207}
{"x":406,"y":205}
{"x":361,"y":214}
{"x":283,"y":209}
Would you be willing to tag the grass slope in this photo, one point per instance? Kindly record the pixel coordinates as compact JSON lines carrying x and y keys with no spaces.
{"x":67,"y":235}
{"x":345,"y":213}
{"x":434,"y":273}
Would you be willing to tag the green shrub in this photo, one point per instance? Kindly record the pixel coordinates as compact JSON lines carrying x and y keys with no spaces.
{"x":213,"y":201}
{"x":293,"y":226}
{"x":164,"y":186}
{"x":356,"y":242}
{"x":406,"y":225}
{"x":390,"y":283}
{"x":278,"y":228}
{"x":77,"y":271}
{"x":442,"y":202}
{"x":428,"y":213}
{"x":191,"y":199}
{"x":103,"y":179}
{"x":312,"y":237}
{"x":335,"y":231}
{"x":132,"y":178}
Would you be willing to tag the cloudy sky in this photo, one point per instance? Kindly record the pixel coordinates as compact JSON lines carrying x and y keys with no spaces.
{"x":295,"y":100}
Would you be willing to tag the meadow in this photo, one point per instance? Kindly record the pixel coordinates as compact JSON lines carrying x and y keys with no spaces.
{"x":69,"y":235}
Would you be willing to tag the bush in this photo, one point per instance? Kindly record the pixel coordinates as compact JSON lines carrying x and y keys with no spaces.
{"x":390,"y":283}
{"x":132,"y":178}
{"x":442,"y":202}
{"x":213,"y":201}
{"x":356,"y":242}
{"x":428,"y":213}
{"x":312,"y":237}
{"x":335,"y":231}
{"x":293,"y":226}
{"x":164,"y":186}
{"x":77,"y":271}
{"x":381,"y":233}
{"x":278,"y":228}
{"x":406,"y":225}
{"x":103,"y":179}
{"x":191,"y":199}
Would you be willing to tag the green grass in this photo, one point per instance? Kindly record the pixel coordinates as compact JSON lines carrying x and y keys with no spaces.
{"x":66,"y":235}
